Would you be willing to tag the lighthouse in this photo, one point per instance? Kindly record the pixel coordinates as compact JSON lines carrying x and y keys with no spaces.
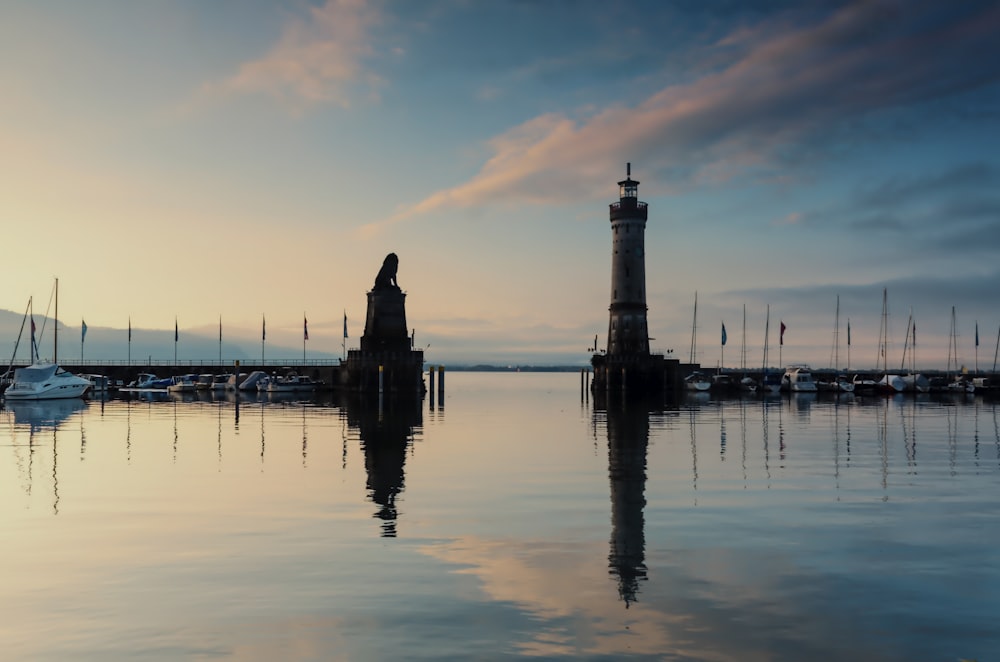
{"x":626,"y":364}
{"x":628,"y":333}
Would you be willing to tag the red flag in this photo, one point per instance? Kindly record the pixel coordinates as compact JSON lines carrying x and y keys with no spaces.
{"x":781,"y":338}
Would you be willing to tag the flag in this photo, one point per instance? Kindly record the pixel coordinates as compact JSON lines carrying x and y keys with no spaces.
{"x":723,"y":334}
{"x":848,"y":333}
{"x":977,"y":334}
{"x":130,"y":329}
{"x":305,"y":328}
{"x":345,"y":324}
{"x":220,"y":328}
{"x":914,"y":334}
{"x":263,"y":329}
{"x":83,"y":330}
{"x":176,"y":334}
{"x":781,"y":337}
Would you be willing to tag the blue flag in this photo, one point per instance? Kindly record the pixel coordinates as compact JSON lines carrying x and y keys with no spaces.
{"x":723,"y":334}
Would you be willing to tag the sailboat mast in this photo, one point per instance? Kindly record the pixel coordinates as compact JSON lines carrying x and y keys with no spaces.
{"x":848,"y":344}
{"x":906,"y":342}
{"x":836,"y":337}
{"x":952,"y":345}
{"x":694,"y":326}
{"x":743,"y":349}
{"x":767,"y":329}
{"x":55,"y":333}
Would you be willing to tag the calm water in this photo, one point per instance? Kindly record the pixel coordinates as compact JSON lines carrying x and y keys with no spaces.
{"x":511,"y":520}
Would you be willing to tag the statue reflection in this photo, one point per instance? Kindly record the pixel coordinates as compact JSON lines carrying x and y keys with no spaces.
{"x":386,"y":428}
{"x":628,"y":440}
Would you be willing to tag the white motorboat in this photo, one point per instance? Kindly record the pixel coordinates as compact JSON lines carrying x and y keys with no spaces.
{"x":45,"y":381}
{"x":843,"y":384}
{"x":290,"y":383}
{"x":798,"y":379}
{"x":204,"y":381}
{"x":697,"y":381}
{"x":183,"y":384}
{"x":222,"y":382}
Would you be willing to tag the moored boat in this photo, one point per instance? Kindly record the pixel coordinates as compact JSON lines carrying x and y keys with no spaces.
{"x":289,"y":383}
{"x":183,"y":384}
{"x":798,"y":379}
{"x":45,"y":381}
{"x":697,"y":381}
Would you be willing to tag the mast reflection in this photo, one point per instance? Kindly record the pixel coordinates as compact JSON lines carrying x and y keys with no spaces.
{"x":386,"y":428}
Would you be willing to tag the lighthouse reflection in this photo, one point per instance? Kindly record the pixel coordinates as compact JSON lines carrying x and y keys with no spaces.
{"x":386,"y":428}
{"x":627,"y":424}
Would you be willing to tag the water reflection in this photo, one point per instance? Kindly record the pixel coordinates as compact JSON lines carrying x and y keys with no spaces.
{"x":627,"y":422}
{"x":628,"y":439}
{"x":386,"y":428}
{"x":41,"y":418}
{"x":39,"y":414}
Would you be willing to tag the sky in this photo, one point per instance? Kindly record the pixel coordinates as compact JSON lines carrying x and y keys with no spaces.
{"x":189,"y":162}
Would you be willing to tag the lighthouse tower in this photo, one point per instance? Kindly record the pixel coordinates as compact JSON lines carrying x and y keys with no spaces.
{"x":626,"y":364}
{"x":628,"y":334}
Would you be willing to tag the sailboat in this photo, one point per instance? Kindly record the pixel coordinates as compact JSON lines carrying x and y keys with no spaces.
{"x":839,"y":383}
{"x":45,"y":380}
{"x":696,"y":381}
{"x":747,"y":383}
{"x":912,"y":380}
{"x":887,"y":383}
{"x":957,"y":382}
{"x":770,"y":383}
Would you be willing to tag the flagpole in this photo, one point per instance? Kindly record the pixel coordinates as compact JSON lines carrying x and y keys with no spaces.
{"x":977,"y":347}
{"x":305,"y":335}
{"x":781,"y":342}
{"x":220,"y":341}
{"x":722,"y":351}
{"x":343,"y":344}
{"x":83,"y":334}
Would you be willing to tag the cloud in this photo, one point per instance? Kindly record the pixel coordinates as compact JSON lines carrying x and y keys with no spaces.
{"x":783,"y":93}
{"x":314,"y":62}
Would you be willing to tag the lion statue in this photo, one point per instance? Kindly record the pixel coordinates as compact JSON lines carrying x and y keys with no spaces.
{"x":386,"y":278}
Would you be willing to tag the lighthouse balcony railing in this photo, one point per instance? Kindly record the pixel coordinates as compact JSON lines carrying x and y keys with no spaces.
{"x":628,"y":209}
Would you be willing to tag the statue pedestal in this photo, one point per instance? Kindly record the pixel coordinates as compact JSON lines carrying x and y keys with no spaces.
{"x":386,"y":360}
{"x":385,"y":324}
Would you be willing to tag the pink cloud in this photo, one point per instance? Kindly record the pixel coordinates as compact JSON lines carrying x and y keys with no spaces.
{"x":784,"y":89}
{"x":314,"y":61}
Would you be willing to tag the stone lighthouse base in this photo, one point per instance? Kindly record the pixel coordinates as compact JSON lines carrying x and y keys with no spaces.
{"x":638,"y":374}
